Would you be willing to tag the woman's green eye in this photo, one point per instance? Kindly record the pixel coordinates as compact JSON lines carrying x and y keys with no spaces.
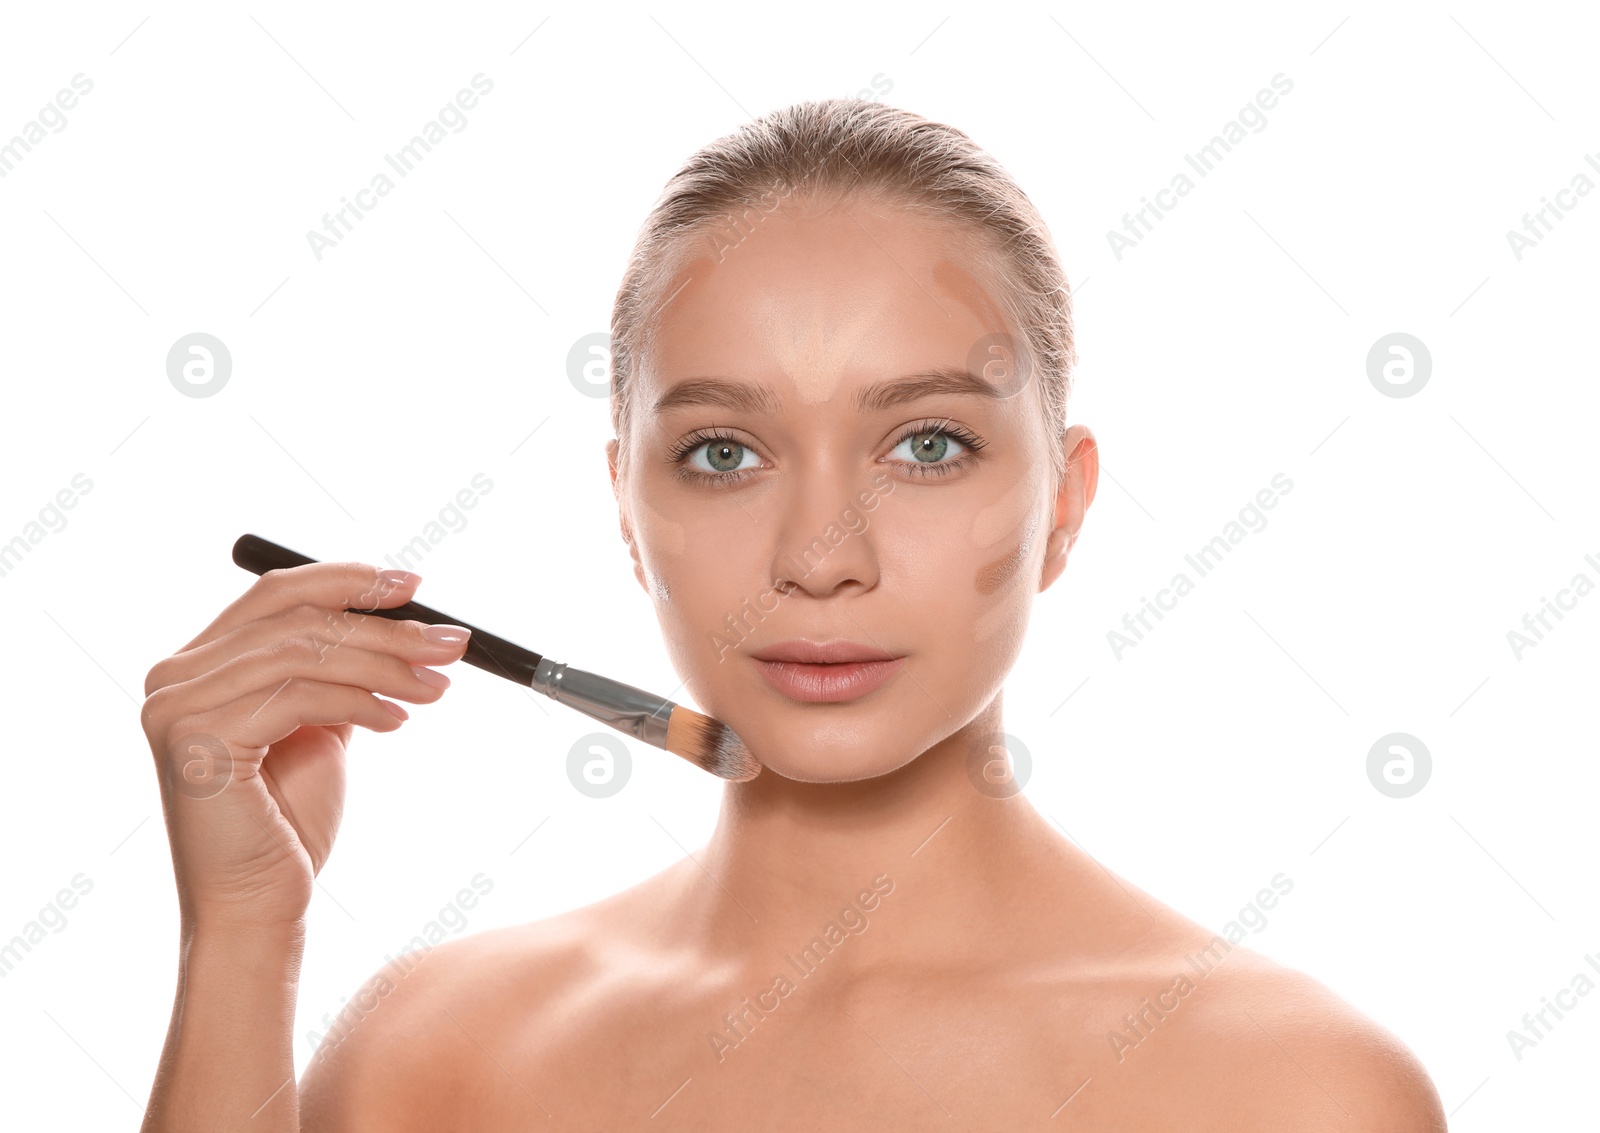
{"x":722,"y":456}
{"x":929,"y":447}
{"x":925,"y":452}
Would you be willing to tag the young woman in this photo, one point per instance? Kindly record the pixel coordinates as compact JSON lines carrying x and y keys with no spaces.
{"x":840,"y":368}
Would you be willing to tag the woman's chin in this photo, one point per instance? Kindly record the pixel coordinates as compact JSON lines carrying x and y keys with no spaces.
{"x":824,"y":756}
{"x":822,"y":772}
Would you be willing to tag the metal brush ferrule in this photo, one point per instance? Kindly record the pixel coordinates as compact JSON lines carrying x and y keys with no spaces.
{"x":623,"y":707}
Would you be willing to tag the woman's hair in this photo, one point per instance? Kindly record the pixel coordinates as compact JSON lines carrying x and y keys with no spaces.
{"x":830,"y":151}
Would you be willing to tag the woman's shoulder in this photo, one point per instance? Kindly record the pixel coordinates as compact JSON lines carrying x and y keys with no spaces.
{"x":413,"y":1037}
{"x":1270,"y":1046}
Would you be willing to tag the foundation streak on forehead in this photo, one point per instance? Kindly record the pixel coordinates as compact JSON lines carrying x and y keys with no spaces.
{"x":698,"y":268}
{"x":826,"y":351}
{"x":959,"y":284}
{"x":817,"y":362}
{"x":821,"y":355}
{"x":816,"y":357}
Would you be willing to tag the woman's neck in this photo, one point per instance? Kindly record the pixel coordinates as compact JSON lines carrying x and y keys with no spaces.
{"x":929,"y":852}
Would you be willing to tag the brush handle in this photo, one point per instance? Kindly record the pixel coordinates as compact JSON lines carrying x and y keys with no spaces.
{"x":488,"y":652}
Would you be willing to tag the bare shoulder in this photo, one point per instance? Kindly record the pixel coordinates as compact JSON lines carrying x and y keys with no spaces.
{"x":1292,"y":1055}
{"x":394,"y":1059}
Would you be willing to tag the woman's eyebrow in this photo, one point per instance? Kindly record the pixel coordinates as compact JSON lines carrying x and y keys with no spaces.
{"x":747,"y":397}
{"x":743,"y":397}
{"x":926,"y":383}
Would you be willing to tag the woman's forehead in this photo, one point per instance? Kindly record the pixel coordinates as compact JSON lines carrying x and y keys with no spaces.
{"x":815,"y":299}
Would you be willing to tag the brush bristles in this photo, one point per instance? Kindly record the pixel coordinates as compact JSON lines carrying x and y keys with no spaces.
{"x":710,"y":745}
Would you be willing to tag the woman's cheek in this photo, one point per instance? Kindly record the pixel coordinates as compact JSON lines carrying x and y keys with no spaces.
{"x":661,"y":542}
{"x":996,"y":574}
{"x":691,"y":570}
{"x":1002,"y":598}
{"x":999,"y":521}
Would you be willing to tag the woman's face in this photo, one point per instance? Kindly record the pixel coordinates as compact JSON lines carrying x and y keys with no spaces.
{"x":794,"y":474}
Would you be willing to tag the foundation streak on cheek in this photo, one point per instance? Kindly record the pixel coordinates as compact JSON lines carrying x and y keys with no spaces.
{"x":1001,"y":521}
{"x":656,"y":538}
{"x":996,"y":574}
{"x":657,"y":531}
{"x":1003,"y":517}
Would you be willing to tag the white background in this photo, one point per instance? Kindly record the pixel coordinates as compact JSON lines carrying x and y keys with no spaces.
{"x":431,"y":344}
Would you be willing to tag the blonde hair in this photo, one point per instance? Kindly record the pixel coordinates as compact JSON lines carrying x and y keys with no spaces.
{"x":834,"y":149}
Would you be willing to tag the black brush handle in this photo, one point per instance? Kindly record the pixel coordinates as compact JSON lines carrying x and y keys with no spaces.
{"x":485,"y":650}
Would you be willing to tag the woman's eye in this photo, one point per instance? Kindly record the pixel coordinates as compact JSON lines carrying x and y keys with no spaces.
{"x":926,"y":452}
{"x":928,"y":447}
{"x":722,"y":456}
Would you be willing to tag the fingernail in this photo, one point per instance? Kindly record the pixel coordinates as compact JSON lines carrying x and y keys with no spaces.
{"x":446,"y":635}
{"x":429,"y":677}
{"x":396,"y":579}
{"x":395,"y":710}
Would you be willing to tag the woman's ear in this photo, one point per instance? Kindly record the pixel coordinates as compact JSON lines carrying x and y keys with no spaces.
{"x":1073,"y":496}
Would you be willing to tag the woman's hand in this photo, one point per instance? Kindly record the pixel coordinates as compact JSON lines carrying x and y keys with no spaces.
{"x":249,"y":723}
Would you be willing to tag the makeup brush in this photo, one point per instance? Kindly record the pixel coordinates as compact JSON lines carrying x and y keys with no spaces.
{"x":708,"y":744}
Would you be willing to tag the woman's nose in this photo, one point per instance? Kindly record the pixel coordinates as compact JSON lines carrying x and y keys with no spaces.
{"x":825,"y":539}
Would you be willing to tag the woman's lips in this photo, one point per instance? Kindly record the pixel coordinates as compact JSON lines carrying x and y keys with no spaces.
{"x":820,"y":683}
